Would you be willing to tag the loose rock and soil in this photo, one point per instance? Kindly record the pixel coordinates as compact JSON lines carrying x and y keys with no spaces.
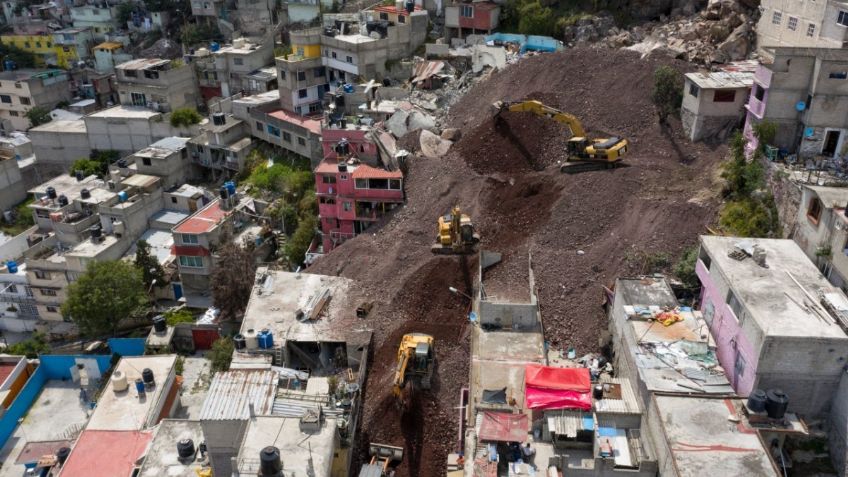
{"x":582,"y":230}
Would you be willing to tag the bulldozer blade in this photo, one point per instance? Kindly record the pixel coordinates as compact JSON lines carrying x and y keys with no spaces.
{"x":576,"y":167}
{"x":449,"y":250}
{"x":392,"y":453}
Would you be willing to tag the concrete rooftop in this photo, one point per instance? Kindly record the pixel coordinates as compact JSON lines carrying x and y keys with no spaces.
{"x":704,"y":442}
{"x":67,"y":185}
{"x":125,"y":112}
{"x":162,"y":459}
{"x":763,"y":291}
{"x":124,"y":411}
{"x":302,"y":454}
{"x":498,"y":359}
{"x":62,"y":126}
{"x":278,"y":296}
{"x":831,"y":197}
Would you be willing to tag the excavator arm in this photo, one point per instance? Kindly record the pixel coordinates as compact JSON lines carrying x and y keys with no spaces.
{"x":400,"y":372}
{"x":539,"y":109}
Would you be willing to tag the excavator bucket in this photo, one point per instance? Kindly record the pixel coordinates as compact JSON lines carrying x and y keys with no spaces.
{"x":383,"y":451}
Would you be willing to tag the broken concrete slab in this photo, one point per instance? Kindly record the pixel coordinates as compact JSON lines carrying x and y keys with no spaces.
{"x":397,"y":123}
{"x":483,"y":56}
{"x":433,"y":146}
{"x":436,"y":50}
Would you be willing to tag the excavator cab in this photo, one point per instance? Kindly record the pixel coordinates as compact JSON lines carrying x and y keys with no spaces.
{"x":456,"y":234}
{"x":415,"y":365}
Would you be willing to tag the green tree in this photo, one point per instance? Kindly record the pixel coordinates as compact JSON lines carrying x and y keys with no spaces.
{"x":765,"y":131}
{"x":296,"y":248}
{"x":750,"y":217}
{"x":232,"y":280}
{"x":88,"y":167}
{"x":149,"y":265}
{"x":536,"y":19}
{"x":124,"y":13}
{"x":38,"y":116}
{"x":105,"y":295}
{"x":184,"y":117}
{"x":32,"y":347}
{"x":668,"y":92}
{"x":22,"y":59}
{"x":288,"y":217}
{"x":221,"y":354}
{"x":684,"y":269}
{"x":743,"y":176}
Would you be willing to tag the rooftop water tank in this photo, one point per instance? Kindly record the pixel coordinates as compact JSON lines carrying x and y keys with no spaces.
{"x":85,"y":194}
{"x":119,"y":381}
{"x":214,"y":46}
{"x":139,"y":387}
{"x":63,"y":200}
{"x":96,"y":231}
{"x":250,"y":339}
{"x":62,"y":454}
{"x":51,"y":193}
{"x":266,"y":339}
{"x":269,"y":462}
{"x":147,"y":376}
{"x":757,"y":400}
{"x":776,"y":403}
{"x":159,"y":324}
{"x":12,"y":266}
{"x":80,"y":176}
{"x":219,"y":119}
{"x":239,"y":342}
{"x":185,"y":448}
{"x":123,"y":196}
{"x":231,"y":187}
{"x":347,"y":88}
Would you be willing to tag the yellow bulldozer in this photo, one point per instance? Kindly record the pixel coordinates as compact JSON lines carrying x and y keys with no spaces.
{"x":584,"y":154}
{"x":416,"y":360}
{"x":456,"y":234}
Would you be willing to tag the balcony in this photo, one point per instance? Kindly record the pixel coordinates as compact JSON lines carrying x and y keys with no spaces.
{"x":763,"y":76}
{"x":756,"y":107}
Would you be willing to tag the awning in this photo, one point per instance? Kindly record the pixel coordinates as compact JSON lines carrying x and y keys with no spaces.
{"x":557,"y":388}
{"x":504,"y":427}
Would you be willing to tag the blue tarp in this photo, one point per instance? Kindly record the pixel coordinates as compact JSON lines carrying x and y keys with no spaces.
{"x":527,"y":43}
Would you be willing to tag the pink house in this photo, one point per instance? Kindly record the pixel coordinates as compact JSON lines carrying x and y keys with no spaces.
{"x":765,"y":335}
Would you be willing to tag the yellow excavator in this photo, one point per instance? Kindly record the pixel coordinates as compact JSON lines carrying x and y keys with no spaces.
{"x":584,"y":154}
{"x":456,"y":234}
{"x":415,"y":362}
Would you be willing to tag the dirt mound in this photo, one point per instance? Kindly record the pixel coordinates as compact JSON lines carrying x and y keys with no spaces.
{"x":582,"y":230}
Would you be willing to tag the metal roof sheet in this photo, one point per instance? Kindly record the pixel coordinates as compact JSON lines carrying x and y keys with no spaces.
{"x":232,"y":392}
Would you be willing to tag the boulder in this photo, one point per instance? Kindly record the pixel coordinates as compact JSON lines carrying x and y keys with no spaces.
{"x":419,"y":120}
{"x":586,"y":33}
{"x":452,"y":134}
{"x":738,"y":44}
{"x":433,"y":146}
{"x":719,"y":32}
{"x":397,"y":123}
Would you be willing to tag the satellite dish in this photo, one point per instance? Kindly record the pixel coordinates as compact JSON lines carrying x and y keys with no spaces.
{"x":800,"y":106}
{"x":809,"y":132}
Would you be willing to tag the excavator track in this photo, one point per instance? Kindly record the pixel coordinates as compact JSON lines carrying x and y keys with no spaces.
{"x":577,"y":167}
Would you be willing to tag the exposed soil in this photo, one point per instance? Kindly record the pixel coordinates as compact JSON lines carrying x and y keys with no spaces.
{"x":582,"y":230}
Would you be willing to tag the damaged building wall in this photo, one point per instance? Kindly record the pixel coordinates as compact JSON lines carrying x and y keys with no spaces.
{"x":838,"y":432}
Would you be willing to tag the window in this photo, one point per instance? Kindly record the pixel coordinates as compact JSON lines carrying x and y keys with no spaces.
{"x":384,"y":16}
{"x":145,"y":161}
{"x":42,"y":275}
{"x":328,"y":179}
{"x":314,"y":107}
{"x":25,"y":100}
{"x":301,"y":76}
{"x":14,"y":114}
{"x":52,"y":309}
{"x":394,"y":184}
{"x":346,"y":206}
{"x":287,"y":137}
{"x":777,"y":18}
{"x":759,"y":92}
{"x":466,"y":11}
{"x":282,"y":74}
{"x":66,"y":49}
{"x":130,"y":73}
{"x":26,"y":44}
{"x":734,"y":304}
{"x":814,"y":210}
{"x":5,"y":98}
{"x":259,"y":126}
{"x":302,"y":93}
{"x":319,"y":72}
{"x":12,"y":289}
{"x":724,"y":96}
{"x":838,"y":75}
{"x":238,"y":61}
{"x":301,"y":141}
{"x":189,"y":238}
{"x":138,"y":99}
{"x":811,"y":30}
{"x":401,"y":19}
{"x":349,"y":59}
{"x":38,"y":44}
{"x":192,"y":262}
{"x":333,"y":54}
{"x":842,"y":18}
{"x":274,"y":131}
{"x":327,"y":200}
{"x":693,"y":89}
{"x":343,"y":177}
{"x":48,"y":292}
{"x":361,"y":183}
{"x":173,"y":200}
{"x":792,"y":24}
{"x":704,"y":257}
{"x":739,"y":365}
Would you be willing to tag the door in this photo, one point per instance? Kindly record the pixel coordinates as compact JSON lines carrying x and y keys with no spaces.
{"x":178,"y":290}
{"x":831,"y":140}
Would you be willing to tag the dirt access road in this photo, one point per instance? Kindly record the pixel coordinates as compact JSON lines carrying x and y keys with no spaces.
{"x":583,"y":230}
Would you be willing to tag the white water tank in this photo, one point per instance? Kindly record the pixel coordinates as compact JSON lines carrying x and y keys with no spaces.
{"x":201,"y":52}
{"x":251,"y":339}
{"x":118,"y":227}
{"x":238,"y":43}
{"x":119,"y":381}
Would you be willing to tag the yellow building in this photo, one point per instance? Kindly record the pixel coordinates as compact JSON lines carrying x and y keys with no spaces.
{"x":47,"y":52}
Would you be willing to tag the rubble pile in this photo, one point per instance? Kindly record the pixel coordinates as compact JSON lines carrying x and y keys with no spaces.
{"x":580,"y":229}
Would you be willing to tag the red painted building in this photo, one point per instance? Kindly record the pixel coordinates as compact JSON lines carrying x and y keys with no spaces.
{"x":463,"y":19}
{"x":352,"y":196}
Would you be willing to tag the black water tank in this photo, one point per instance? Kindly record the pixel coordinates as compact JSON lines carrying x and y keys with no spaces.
{"x":239,"y":342}
{"x":96,"y":231}
{"x":269,"y":462}
{"x":185,"y":448}
{"x":598,"y":391}
{"x":410,"y":6}
{"x":776,"y":403}
{"x":122,"y":163}
{"x":225,"y":194}
{"x":85,"y":194}
{"x":343,"y":148}
{"x":62,"y":454}
{"x":147,"y":376}
{"x":51,"y":193}
{"x":159,"y":324}
{"x":63,"y":200}
{"x":219,"y":119}
{"x":339,"y":100}
{"x":757,"y":400}
{"x":80,"y":176}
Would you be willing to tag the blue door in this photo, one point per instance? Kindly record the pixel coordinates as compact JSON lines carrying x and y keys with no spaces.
{"x":178,"y":290}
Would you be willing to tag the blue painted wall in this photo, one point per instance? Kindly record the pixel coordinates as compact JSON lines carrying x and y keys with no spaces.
{"x":127,"y":346}
{"x":59,"y":366}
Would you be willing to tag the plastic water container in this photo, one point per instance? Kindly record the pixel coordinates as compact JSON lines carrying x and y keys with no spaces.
{"x":122,"y":196}
{"x":139,"y":386}
{"x":348,"y":88}
{"x":214,"y":46}
{"x":12,"y":266}
{"x":266,"y":339}
{"x":231,"y":187}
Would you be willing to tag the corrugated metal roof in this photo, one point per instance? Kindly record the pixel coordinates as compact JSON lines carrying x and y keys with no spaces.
{"x":628,"y":404}
{"x":365,"y":171}
{"x":231,"y":393}
{"x":172,"y":143}
{"x":140,"y":180}
{"x":567,"y":423}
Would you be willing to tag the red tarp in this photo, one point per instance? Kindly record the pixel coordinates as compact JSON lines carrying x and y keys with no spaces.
{"x":504,"y":427}
{"x":557,"y":388}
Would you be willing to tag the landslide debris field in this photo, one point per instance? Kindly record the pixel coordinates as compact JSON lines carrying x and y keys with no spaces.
{"x":583,"y":230}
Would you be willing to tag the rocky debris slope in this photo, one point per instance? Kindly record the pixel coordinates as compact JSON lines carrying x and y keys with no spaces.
{"x":582,"y":230}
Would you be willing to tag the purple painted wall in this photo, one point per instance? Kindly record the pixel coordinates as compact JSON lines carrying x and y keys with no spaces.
{"x":728,"y":335}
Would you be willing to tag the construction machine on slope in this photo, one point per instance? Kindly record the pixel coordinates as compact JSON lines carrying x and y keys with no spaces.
{"x":456,"y":234}
{"x":416,"y":359}
{"x":584,"y":154}
{"x":382,"y":456}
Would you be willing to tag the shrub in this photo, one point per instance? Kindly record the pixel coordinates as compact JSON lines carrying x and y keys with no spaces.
{"x":684,"y":269}
{"x":175,"y":317}
{"x":535,"y":19}
{"x":296,"y":248}
{"x":88,"y":167}
{"x":185,"y":117}
{"x":38,"y":116}
{"x":750,"y":217}
{"x":221,"y":354}
{"x":32,"y":347}
{"x":668,"y":92}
